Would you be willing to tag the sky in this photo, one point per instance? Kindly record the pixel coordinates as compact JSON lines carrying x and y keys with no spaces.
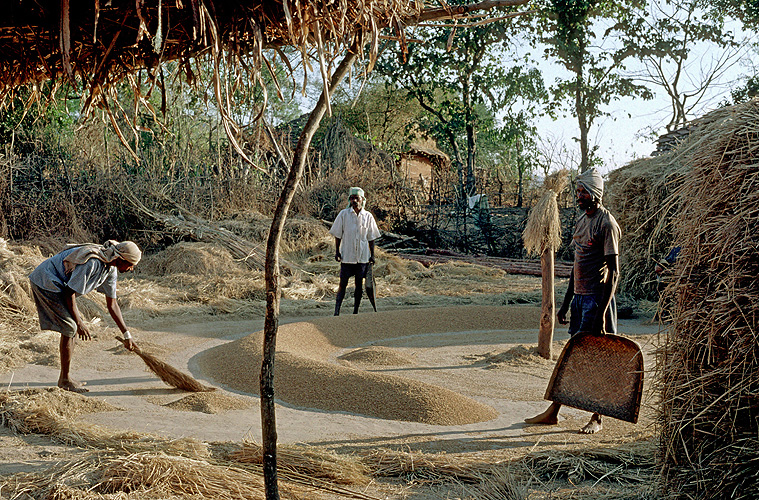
{"x":633,"y":125}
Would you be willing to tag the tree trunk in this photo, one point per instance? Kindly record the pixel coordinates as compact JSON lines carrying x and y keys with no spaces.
{"x":545,"y":337}
{"x":268,"y":417}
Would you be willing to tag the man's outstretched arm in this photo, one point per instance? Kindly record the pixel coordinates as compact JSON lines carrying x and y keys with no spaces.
{"x":610,"y":286}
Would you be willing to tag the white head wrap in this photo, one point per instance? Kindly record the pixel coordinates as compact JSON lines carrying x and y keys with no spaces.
{"x":357,"y":190}
{"x":107,"y":252}
{"x":593,"y":183}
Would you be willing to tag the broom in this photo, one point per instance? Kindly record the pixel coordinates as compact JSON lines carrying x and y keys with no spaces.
{"x":168,"y":374}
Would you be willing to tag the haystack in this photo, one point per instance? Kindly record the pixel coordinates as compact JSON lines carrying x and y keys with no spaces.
{"x":709,"y":378}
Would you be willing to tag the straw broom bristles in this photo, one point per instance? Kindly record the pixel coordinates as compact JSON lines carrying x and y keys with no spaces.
{"x":168,"y":374}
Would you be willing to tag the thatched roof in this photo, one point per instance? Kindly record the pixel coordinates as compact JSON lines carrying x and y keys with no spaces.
{"x":101,"y":40}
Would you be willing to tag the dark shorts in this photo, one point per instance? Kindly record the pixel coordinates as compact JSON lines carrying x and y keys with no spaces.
{"x":357,"y":270}
{"x":583,"y":310}
{"x":52,"y":312}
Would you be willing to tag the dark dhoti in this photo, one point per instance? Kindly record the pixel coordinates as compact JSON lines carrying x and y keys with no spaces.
{"x":52,"y":312}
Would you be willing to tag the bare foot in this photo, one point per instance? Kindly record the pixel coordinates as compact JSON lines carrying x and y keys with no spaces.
{"x":593,"y":426}
{"x":548,"y":417}
{"x":71,"y":386}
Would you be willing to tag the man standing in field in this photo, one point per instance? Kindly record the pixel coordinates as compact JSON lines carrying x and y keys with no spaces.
{"x":594,"y":278}
{"x":75,"y":271}
{"x":354,"y":230}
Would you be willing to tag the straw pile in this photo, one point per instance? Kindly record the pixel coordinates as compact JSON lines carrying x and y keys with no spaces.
{"x":639,"y":195}
{"x":709,"y":383}
{"x":51,"y":412}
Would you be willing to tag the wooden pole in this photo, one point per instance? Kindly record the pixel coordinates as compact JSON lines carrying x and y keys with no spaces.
{"x":548,"y":310}
{"x":271,"y":275}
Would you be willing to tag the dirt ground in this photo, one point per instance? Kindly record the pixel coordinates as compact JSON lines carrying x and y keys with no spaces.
{"x":447,"y":373}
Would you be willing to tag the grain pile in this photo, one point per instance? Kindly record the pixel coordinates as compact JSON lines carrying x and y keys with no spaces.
{"x":376,"y":356}
{"x":209,"y":402}
{"x":307,"y":378}
{"x":710,"y":370}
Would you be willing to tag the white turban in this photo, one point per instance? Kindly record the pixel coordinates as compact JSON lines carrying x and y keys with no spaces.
{"x":357,"y":190}
{"x":107,"y":252}
{"x":593,"y":183}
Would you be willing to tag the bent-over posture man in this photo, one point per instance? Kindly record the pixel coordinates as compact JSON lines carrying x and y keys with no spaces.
{"x":594,"y":278}
{"x":76,"y":271}
{"x":354,"y":230}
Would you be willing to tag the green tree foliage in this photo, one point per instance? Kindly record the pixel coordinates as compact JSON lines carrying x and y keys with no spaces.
{"x":592,"y":40}
{"x":460,"y":79}
{"x":378,"y":112}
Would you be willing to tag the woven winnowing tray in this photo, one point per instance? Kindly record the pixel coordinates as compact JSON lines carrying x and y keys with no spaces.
{"x":599,"y":373}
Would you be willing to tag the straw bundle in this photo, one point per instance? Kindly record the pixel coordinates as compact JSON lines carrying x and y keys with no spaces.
{"x":168,"y":374}
{"x":307,"y":461}
{"x":709,"y":381}
{"x":543,"y":229}
{"x":430,"y":467}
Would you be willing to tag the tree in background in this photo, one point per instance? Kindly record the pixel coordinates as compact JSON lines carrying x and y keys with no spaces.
{"x":686,"y":48}
{"x":591,"y":40}
{"x":457,"y":77}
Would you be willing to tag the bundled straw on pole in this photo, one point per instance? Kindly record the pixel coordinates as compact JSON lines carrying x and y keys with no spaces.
{"x":542,"y":235}
{"x":167,"y":373}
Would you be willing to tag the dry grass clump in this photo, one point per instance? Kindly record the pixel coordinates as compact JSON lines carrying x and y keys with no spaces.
{"x":307,"y":461}
{"x":50,"y":412}
{"x":429,"y":467}
{"x":300,"y":233}
{"x":16,"y":302}
{"x":709,"y":378}
{"x":200,"y":259}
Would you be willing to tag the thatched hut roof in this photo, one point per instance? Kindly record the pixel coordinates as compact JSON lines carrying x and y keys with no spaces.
{"x":101,"y":40}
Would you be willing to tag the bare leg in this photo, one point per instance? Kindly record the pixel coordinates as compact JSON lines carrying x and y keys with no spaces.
{"x":593,"y":426}
{"x":358,"y":293}
{"x":340,"y":295}
{"x":548,"y":417}
{"x":66,"y":348}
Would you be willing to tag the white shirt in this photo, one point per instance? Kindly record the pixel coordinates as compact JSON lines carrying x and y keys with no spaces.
{"x":355,"y":231}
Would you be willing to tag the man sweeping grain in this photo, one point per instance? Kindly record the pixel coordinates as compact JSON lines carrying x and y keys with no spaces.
{"x":593,"y":280}
{"x":78,"y":270}
{"x":354,"y":230}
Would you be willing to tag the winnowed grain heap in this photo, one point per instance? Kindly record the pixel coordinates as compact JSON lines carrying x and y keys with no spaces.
{"x":710,"y":371}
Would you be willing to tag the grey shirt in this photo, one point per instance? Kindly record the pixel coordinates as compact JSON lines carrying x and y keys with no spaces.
{"x":92,"y":275}
{"x":595,"y":237}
